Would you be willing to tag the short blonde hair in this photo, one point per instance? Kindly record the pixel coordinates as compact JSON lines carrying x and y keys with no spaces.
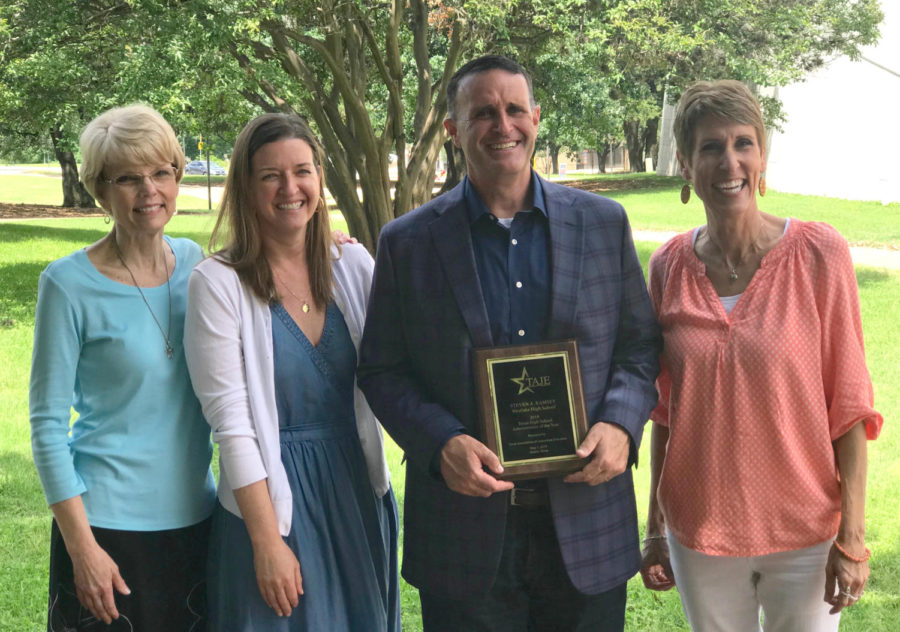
{"x":135,"y":134}
{"x":726,"y":99}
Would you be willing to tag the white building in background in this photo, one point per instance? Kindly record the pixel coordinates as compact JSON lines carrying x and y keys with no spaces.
{"x":842,"y":133}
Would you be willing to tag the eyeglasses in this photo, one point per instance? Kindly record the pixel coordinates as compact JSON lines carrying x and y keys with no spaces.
{"x":160,"y":177}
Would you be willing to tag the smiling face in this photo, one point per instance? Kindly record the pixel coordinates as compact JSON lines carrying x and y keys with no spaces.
{"x":140,"y":198}
{"x":285,"y":187}
{"x":725,"y":165}
{"x":495,"y":126}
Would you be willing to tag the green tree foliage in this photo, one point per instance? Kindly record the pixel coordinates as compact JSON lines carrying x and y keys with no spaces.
{"x":43,"y":90}
{"x":577,"y":109}
{"x":624,"y":55}
{"x":371,"y":76}
{"x":63,"y":63}
{"x":655,"y":45}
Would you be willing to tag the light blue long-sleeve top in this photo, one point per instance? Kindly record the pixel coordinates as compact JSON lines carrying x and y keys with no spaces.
{"x":139,"y":451}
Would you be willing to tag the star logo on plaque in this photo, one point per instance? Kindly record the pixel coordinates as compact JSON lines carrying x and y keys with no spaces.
{"x":524,"y":382}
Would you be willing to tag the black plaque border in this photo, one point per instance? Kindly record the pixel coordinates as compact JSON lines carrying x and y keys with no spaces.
{"x":489,"y":424}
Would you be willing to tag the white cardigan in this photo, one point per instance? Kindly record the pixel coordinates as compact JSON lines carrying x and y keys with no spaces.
{"x":228,"y":346}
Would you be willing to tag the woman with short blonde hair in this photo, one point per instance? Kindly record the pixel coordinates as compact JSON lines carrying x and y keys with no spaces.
{"x":128,"y":481}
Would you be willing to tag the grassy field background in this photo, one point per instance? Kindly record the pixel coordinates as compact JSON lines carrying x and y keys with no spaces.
{"x":27,"y":246}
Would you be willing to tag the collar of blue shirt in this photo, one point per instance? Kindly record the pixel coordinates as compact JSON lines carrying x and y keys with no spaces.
{"x":477,"y":207}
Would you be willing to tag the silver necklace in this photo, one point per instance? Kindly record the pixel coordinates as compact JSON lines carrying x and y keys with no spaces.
{"x":732,"y":269}
{"x":732,"y":275}
{"x":303,"y":304}
{"x":165,"y":334}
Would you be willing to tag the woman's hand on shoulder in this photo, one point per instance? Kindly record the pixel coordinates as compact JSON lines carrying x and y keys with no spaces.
{"x":96,"y":577}
{"x":341,"y":238}
{"x":656,"y":570}
{"x":278,"y":576}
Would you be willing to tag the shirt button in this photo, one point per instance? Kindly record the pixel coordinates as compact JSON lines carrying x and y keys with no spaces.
{"x":521,"y":332}
{"x":514,"y":242}
{"x":518,"y":284}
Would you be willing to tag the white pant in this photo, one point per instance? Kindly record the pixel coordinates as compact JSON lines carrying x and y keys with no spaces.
{"x":726,"y":594}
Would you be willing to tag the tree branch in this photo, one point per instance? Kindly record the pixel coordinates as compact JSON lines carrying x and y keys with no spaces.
{"x":423,"y":63}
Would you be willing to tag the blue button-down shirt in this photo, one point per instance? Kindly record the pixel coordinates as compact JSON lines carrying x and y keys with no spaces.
{"x":513,"y":267}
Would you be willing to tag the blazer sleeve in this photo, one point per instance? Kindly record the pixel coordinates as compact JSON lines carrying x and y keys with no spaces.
{"x":385,"y":375}
{"x":214,"y":353}
{"x":631,"y":393}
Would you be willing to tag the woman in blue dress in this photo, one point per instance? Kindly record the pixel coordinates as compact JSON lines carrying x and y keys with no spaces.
{"x":272,"y":326}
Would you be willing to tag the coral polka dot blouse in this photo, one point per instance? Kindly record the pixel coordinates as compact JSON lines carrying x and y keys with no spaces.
{"x":753,"y":399}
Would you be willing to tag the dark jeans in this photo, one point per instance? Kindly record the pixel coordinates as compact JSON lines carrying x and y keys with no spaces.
{"x":531,"y":593}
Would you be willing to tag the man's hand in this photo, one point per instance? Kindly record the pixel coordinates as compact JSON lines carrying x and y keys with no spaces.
{"x":463,"y":460}
{"x":608,"y":445}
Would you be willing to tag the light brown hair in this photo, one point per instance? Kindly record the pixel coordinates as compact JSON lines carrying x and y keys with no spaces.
{"x":237,"y":226}
{"x":726,"y":99}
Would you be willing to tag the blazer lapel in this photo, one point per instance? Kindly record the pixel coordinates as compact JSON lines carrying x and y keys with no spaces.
{"x":452,"y":239}
{"x":566,"y":251}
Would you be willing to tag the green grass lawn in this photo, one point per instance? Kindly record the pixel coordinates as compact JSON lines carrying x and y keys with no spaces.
{"x":47,"y":190}
{"x":36,"y":189}
{"x":27,"y":246}
{"x":654,"y":205}
{"x":861,"y":223}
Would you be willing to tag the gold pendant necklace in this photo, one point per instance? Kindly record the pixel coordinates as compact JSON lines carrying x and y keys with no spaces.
{"x":304,"y":305}
{"x":165,"y":334}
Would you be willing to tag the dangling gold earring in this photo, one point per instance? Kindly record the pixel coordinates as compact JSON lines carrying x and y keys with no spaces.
{"x":762,"y":186}
{"x":686,"y":193}
{"x":107,"y":219}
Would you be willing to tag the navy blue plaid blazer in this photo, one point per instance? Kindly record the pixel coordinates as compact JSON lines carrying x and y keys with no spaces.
{"x":425,"y":315}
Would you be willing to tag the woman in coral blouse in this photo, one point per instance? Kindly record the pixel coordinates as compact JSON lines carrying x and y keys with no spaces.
{"x":759,"y":438}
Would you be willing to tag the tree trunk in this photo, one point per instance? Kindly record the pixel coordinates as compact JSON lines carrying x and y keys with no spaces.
{"x":456,"y":166}
{"x":377,"y":207}
{"x":603,"y":155}
{"x":651,"y":140}
{"x":634,"y":139}
{"x":553,"y":150}
{"x":353,"y":57}
{"x":347,"y":200}
{"x":74,"y":193}
{"x":422,"y":176}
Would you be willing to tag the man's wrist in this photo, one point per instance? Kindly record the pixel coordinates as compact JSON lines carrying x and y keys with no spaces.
{"x":434,"y":466}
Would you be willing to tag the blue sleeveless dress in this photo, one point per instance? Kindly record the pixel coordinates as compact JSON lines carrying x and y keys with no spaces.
{"x":343,"y":535}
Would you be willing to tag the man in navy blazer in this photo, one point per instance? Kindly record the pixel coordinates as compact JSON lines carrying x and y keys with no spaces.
{"x":508,"y":258}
